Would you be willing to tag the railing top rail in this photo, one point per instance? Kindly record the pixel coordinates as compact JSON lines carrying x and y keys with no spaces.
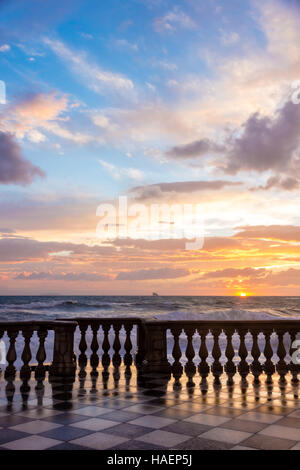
{"x":34,"y":323}
{"x":103,"y":320}
{"x":225,"y":323}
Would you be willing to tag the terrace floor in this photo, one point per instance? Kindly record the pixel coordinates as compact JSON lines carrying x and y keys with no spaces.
{"x":121,"y":412}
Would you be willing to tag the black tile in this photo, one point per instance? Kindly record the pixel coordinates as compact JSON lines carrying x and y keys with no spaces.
{"x":137,"y":445}
{"x":244,"y":425}
{"x":197,"y":443}
{"x":68,"y":446}
{"x":65,"y":433}
{"x":7,"y":435}
{"x":189,"y":429}
{"x":259,"y":441}
{"x":13,"y":420}
{"x":127,"y":430}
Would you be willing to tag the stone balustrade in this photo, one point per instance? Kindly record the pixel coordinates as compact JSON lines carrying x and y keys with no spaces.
{"x":208,"y":347}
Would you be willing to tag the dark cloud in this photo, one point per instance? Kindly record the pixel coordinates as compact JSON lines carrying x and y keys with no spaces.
{"x":21,"y":249}
{"x":234,"y":272}
{"x":145,"y":274}
{"x":157,"y":190}
{"x":263,"y":143}
{"x":49,"y":276}
{"x":194,"y":149}
{"x":266,"y":143}
{"x":288,"y":184}
{"x":14,"y":168}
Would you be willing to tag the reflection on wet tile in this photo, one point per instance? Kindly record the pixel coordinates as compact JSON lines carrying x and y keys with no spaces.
{"x":140,"y":412}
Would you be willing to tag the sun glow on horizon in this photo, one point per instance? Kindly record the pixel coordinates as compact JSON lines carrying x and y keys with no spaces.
{"x":243,"y":294}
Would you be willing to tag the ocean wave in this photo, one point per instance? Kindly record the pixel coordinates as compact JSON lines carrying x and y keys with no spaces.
{"x":230,"y":314}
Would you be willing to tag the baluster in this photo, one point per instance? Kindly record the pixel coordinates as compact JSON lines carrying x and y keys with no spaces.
{"x":243,"y":366}
{"x":256,"y":367}
{"x":190,"y":368}
{"x":216,"y":368}
{"x":1,"y":336}
{"x":105,"y":347}
{"x":26,"y":354}
{"x":82,"y":359}
{"x":94,"y":359}
{"x":293,"y":366}
{"x":230,"y":367}
{"x":203,"y":367}
{"x":41,"y":354}
{"x":269,"y":367}
{"x":11,"y":353}
{"x":128,"y":347}
{"x":116,"y":359}
{"x":176,"y":353}
{"x":281,"y":365}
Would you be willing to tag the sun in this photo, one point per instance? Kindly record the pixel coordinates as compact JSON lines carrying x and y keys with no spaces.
{"x":243,"y":294}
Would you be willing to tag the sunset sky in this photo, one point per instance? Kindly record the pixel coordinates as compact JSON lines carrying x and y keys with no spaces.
{"x":161,"y":101}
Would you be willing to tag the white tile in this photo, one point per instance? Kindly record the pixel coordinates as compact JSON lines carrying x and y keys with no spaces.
{"x":95,"y":424}
{"x":283,"y":432}
{"x":99,"y":441}
{"x":267,"y":418}
{"x":225,"y":435}
{"x":295,"y":414}
{"x":35,"y":402}
{"x":210,"y":420}
{"x":150,"y":421}
{"x":92,"y":411}
{"x":32,"y":443}
{"x":35,"y":427}
{"x":163,"y":438}
{"x":144,"y":409}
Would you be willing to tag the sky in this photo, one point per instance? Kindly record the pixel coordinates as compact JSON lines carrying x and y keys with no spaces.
{"x":160,"y":102}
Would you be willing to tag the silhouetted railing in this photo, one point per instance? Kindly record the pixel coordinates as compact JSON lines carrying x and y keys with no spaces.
{"x":105,"y":345}
{"x":254,"y":347}
{"x":195,"y":347}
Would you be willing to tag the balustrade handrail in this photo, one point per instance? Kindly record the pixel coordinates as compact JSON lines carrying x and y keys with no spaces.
{"x":152,"y":351}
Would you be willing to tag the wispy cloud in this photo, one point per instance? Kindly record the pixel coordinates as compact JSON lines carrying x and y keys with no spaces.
{"x":91,"y":74}
{"x":117,"y":173}
{"x":174,"y":19}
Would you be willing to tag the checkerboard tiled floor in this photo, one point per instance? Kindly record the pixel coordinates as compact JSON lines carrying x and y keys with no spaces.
{"x":127,"y":413}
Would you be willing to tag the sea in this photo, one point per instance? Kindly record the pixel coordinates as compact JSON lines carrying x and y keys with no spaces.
{"x":17,"y":308}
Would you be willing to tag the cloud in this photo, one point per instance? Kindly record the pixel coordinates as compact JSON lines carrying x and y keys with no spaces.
{"x":263,"y":143}
{"x":35,"y":113}
{"x":228,"y":38}
{"x":194,"y":149}
{"x":14,"y":168}
{"x":22,"y":249}
{"x":148,"y":274}
{"x":289,"y":233}
{"x":92,"y":75}
{"x":172,"y":20}
{"x":70,"y":276}
{"x":4,"y":48}
{"x":287,"y":184}
{"x":117,"y":173}
{"x":234,"y":273}
{"x":267,"y":143}
{"x":124,"y":44}
{"x":157,"y":190}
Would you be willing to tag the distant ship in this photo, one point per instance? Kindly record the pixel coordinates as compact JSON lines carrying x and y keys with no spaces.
{"x":155,"y":294}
